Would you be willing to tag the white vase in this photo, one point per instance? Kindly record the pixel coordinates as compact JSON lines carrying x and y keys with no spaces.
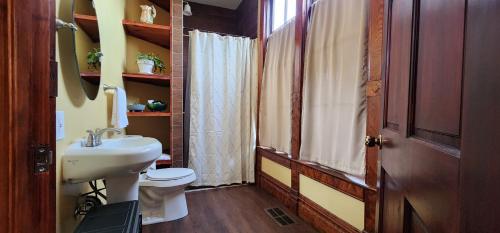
{"x":145,"y":66}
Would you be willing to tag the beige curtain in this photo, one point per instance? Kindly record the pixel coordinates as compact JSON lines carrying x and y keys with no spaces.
{"x":223,"y":108}
{"x":334,"y":99}
{"x":275,"y":105}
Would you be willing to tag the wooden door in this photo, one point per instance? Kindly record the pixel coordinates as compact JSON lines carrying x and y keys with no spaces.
{"x":422,"y":116}
{"x":27,"y":103}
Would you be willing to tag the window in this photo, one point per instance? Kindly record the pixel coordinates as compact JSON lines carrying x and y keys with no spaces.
{"x":283,"y":10}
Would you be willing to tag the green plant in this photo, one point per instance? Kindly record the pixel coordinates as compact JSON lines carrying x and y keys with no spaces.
{"x":158,"y":63}
{"x":94,"y":58}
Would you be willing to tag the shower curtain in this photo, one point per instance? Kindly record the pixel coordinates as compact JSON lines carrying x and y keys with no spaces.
{"x":276,"y":91}
{"x":223,"y":86}
{"x":334,"y":98}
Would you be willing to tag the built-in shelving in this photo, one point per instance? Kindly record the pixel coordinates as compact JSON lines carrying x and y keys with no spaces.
{"x":155,"y":79}
{"x":88,"y":23}
{"x":154,"y":33}
{"x":157,"y":34}
{"x":91,"y":77}
{"x":149,"y":114}
{"x":162,"y":3}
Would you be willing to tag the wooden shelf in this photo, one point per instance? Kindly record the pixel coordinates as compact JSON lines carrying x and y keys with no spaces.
{"x":149,"y":114}
{"x":164,"y":4}
{"x":88,"y":23}
{"x":155,"y":79}
{"x":154,"y":33}
{"x":94,"y":78}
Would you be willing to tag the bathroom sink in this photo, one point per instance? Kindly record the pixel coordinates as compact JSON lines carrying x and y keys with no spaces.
{"x":119,"y":161}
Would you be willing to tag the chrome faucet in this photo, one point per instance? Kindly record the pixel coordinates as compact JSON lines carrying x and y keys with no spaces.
{"x":95,"y":136}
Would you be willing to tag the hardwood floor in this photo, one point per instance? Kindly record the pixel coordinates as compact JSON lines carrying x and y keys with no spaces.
{"x":236,"y":209}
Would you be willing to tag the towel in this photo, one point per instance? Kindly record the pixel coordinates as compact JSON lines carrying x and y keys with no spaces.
{"x":119,"y":119}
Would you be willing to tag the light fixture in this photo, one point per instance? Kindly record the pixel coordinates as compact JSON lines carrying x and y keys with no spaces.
{"x":187,"y":10}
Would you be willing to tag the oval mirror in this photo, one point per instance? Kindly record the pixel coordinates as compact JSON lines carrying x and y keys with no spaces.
{"x":87,"y":46}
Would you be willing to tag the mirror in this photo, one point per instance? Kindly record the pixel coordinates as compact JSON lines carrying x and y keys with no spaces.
{"x":87,"y":46}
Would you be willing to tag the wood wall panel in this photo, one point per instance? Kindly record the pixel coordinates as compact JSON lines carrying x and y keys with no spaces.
{"x":336,"y":180}
{"x":439,"y":77}
{"x":279,"y":191}
{"x":399,"y":69}
{"x":248,"y":18}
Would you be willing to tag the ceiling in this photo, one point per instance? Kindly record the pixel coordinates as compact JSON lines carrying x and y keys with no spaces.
{"x":230,"y":4}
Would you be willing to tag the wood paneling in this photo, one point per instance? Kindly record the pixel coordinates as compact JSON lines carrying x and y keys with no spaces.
{"x":278,"y":190}
{"x":321,"y":218}
{"x":164,"y":4}
{"x":341,"y":182}
{"x":211,"y":18}
{"x":176,"y":85}
{"x":281,"y":159}
{"x":331,"y":179}
{"x":248,"y":18}
{"x":480,"y":158}
{"x":438,"y":77}
{"x":27,"y":49}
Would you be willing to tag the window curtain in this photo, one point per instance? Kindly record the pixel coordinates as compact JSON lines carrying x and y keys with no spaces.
{"x":334,"y":96}
{"x":276,"y":89}
{"x":223,"y":87}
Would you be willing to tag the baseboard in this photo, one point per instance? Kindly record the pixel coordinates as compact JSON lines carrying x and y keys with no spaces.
{"x":278,"y":190}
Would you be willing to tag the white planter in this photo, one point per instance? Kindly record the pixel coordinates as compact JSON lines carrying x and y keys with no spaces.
{"x":145,"y":66}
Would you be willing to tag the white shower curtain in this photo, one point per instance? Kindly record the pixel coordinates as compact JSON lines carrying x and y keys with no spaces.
{"x":223,"y":108}
{"x":276,"y":91}
{"x":334,"y":98}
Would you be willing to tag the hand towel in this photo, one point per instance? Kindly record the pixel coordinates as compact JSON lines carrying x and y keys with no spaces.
{"x":119,"y":119}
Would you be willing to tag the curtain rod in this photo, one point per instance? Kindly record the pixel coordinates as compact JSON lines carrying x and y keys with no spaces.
{"x":220,"y":33}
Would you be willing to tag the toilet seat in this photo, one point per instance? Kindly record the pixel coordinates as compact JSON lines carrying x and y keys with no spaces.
{"x":164,"y":178}
{"x":168,"y":174}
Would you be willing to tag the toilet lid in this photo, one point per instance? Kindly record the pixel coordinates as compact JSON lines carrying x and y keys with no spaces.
{"x":168,"y":173}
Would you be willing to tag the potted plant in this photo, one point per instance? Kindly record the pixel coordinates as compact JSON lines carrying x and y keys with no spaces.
{"x":94,"y":59}
{"x":149,"y":63}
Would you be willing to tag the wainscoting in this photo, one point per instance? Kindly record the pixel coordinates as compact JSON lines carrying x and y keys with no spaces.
{"x":329,"y":200}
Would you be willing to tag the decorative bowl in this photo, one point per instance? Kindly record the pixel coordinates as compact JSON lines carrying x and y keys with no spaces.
{"x":156,"y":106}
{"x":136,"y":107}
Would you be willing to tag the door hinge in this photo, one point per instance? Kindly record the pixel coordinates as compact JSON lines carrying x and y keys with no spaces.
{"x":43,"y":158}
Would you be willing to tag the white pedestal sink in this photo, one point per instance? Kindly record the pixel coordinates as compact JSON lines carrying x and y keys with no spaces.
{"x":119,"y":161}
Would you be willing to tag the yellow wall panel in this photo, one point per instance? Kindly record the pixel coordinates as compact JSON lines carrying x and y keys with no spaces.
{"x":278,"y":172}
{"x":345,"y":207}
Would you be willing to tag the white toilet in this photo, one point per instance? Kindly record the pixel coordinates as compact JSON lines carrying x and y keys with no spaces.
{"x":161,"y":194}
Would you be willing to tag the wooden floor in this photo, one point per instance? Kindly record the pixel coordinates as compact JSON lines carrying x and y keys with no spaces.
{"x":235,"y":209}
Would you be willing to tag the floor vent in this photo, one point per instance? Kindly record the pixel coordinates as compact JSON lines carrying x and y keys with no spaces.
{"x":279,"y":216}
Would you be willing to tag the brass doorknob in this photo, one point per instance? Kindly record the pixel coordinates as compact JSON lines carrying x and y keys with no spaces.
{"x":375,"y":141}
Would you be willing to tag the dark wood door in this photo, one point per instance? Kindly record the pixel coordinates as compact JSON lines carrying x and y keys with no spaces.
{"x":422,"y":116}
{"x":27,"y":103}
